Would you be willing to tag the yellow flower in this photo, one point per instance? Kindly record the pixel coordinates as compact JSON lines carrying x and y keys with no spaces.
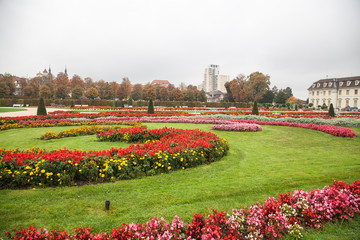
{"x":33,"y":188}
{"x":42,"y":171}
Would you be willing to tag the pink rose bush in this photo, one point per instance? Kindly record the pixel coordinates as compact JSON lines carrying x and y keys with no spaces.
{"x":289,"y":214}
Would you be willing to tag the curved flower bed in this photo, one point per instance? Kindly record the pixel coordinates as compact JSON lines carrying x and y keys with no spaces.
{"x":83,"y":131}
{"x":330,"y":129}
{"x":288,"y":214}
{"x":158,"y":151}
{"x":240,"y":127}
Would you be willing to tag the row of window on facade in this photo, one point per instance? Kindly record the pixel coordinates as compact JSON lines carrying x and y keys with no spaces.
{"x":327,"y":102}
{"x":347,"y":92}
{"x":330,"y":84}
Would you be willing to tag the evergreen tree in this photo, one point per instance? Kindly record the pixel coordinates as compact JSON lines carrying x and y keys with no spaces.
{"x":331,"y":111}
{"x":150,"y":107}
{"x":130,"y":102}
{"x":41,"y":108}
{"x":255,"y":110}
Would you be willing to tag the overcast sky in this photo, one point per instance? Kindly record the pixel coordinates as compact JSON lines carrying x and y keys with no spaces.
{"x":295,"y":42}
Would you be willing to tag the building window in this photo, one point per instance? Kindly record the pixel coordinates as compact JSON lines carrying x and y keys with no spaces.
{"x":317,"y":93}
{"x":318,"y":85}
{"x":355,"y":102}
{"x":324,"y":92}
{"x":346,"y":102}
{"x":329,"y":92}
{"x":324,"y":84}
{"x":339,"y":103}
{"x":348,"y":83}
{"x":339,"y":92}
{"x":313,"y":93}
{"x":355,"y":91}
{"x":340,"y":84}
{"x":357,"y":82}
{"x":317,"y":102}
{"x":330,"y":84}
{"x":347,"y":92}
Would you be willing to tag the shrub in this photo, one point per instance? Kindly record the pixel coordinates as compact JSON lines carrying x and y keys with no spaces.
{"x":255,"y":110}
{"x":150,"y":107}
{"x":41,"y":108}
{"x":331,"y":111}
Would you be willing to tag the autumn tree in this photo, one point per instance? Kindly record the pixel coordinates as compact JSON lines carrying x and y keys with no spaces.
{"x":137,"y":92}
{"x":124,"y":89}
{"x":108,"y":94}
{"x":240,"y":89}
{"x":88,"y":83}
{"x":176,"y":95}
{"x":62,"y":86}
{"x":77,"y":92}
{"x":35,"y":83}
{"x":149,"y":92}
{"x":228,"y":95}
{"x":45,"y":91}
{"x":258,"y":84}
{"x":101,"y":85}
{"x":28,"y":91}
{"x":164,"y":94}
{"x":293,"y":100}
{"x":114,"y":88}
{"x":4,"y":90}
{"x":8,"y":83}
{"x":92,"y":93}
{"x":76,"y":80}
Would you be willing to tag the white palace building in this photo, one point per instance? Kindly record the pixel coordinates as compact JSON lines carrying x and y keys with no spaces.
{"x":341,"y":92}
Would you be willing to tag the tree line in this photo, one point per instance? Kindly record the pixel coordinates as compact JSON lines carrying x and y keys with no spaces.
{"x":46,"y":86}
{"x":255,"y":87}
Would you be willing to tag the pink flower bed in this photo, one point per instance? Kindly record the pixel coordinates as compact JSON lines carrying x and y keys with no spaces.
{"x":240,"y":127}
{"x":288,"y":214}
{"x":330,"y":129}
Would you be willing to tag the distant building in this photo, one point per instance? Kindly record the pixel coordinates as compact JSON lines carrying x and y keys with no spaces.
{"x":216,"y":96}
{"x":341,"y":92}
{"x":19,"y":85}
{"x":213,"y":81}
{"x":161,"y":83}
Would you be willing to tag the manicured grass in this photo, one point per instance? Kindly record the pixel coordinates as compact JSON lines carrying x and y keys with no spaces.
{"x":259,"y":165}
{"x":3,"y":110}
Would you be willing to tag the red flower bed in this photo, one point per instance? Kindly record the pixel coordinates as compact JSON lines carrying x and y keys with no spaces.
{"x":156,"y":151}
{"x":289,"y":214}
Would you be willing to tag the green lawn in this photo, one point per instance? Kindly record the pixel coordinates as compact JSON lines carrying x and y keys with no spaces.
{"x":259,"y":165}
{"x":3,"y":110}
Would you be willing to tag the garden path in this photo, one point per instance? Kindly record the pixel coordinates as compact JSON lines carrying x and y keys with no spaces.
{"x":30,"y":111}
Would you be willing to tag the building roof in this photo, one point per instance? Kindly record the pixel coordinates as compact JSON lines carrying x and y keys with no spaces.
{"x":161,"y":82}
{"x":331,"y":83}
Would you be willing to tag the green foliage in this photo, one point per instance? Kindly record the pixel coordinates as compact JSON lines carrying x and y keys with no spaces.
{"x":151,"y":107}
{"x":255,"y":110}
{"x":130,"y":102}
{"x":41,"y":108}
{"x":331,"y":111}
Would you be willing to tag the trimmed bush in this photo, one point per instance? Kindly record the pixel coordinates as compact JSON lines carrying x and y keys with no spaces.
{"x":41,"y":108}
{"x":151,"y":107}
{"x":255,"y":110}
{"x":331,"y":111}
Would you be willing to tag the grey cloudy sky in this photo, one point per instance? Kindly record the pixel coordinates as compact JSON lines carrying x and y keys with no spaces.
{"x":295,"y":42}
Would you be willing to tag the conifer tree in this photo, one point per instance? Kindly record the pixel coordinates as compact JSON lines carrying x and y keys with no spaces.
{"x":150,"y":107}
{"x":331,"y":111}
{"x":41,"y":108}
{"x":255,"y":110}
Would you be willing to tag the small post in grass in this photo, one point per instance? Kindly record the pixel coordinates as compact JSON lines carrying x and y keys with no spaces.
{"x":107,"y":204}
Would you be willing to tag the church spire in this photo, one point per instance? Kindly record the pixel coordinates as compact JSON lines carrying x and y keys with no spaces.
{"x":49,"y":69}
{"x":66,"y":71}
